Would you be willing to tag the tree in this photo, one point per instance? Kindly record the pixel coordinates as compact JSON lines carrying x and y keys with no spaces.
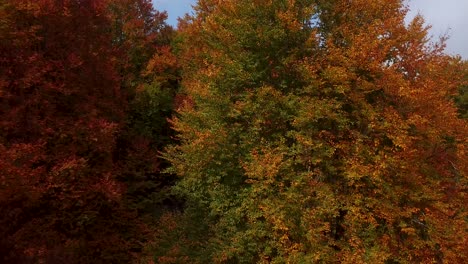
{"x":61,"y":109}
{"x":149,"y":78}
{"x":319,"y":131}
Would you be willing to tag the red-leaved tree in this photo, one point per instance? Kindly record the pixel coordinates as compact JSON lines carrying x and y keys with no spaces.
{"x":60,"y":110}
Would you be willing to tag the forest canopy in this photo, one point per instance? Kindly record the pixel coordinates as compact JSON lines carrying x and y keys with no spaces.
{"x":266,"y":131}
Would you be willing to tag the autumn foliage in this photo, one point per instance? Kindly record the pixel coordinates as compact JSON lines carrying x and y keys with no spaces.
{"x":320,"y":132}
{"x":267,"y":131}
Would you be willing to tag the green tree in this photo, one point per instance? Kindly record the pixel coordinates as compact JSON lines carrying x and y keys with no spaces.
{"x":318,"y":131}
{"x":149,"y":78}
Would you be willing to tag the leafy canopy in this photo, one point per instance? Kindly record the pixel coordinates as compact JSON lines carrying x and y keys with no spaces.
{"x":319,"y":131}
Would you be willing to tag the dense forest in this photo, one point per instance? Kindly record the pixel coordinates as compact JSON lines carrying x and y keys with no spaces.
{"x":257,"y":131}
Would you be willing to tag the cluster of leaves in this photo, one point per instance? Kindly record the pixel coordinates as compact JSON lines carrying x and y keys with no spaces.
{"x":318,"y":132}
{"x":462,"y":97}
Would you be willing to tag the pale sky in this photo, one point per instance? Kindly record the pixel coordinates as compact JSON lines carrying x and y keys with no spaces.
{"x":445,"y":16}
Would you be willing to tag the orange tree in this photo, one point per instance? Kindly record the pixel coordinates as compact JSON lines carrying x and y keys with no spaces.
{"x":318,"y":131}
